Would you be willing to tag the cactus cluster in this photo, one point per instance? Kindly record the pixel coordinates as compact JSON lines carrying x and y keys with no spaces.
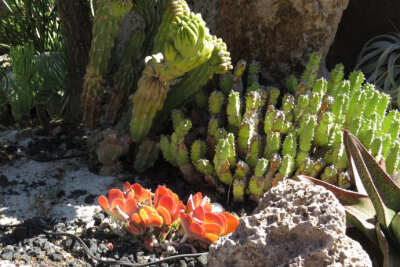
{"x":182,"y":44}
{"x":257,"y":136}
{"x":182,"y":55}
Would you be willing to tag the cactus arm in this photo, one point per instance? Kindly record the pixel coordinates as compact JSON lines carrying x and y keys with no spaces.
{"x":106,"y":27}
{"x":218,"y":63}
{"x":165,"y":146}
{"x":291,"y":84}
{"x":272,"y":144}
{"x":237,"y":76}
{"x":197,"y":151}
{"x":233,"y":110}
{"x":273,"y":95}
{"x":126,"y":76}
{"x":239,"y":181}
{"x":336,"y":77}
{"x":254,"y":150}
{"x":215,"y":103}
{"x":310,"y":74}
{"x":221,"y":161}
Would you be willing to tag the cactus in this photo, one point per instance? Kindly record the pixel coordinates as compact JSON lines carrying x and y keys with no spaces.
{"x":182,"y":44}
{"x":106,"y":27}
{"x":173,"y":49}
{"x":303,"y":135}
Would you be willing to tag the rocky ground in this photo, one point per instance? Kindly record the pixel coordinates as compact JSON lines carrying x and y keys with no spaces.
{"x":45,"y":175}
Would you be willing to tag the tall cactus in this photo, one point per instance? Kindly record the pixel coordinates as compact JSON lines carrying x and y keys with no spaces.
{"x":301,"y":136}
{"x":182,"y":43}
{"x":106,"y":27}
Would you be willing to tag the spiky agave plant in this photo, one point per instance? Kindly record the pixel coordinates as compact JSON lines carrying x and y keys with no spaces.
{"x":252,"y":142}
{"x":378,"y":60}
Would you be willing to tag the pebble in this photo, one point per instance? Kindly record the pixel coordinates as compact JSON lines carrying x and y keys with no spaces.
{"x":19,"y":248}
{"x":56,"y":256}
{"x":7,"y":255}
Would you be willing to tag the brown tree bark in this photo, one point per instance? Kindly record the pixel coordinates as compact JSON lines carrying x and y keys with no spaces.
{"x":77,"y":32}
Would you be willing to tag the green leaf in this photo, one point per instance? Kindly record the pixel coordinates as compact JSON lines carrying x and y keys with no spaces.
{"x":383,"y":192}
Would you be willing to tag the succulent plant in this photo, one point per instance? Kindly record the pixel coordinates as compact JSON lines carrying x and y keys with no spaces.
{"x":106,"y":27}
{"x":252,"y":142}
{"x":183,"y":55}
{"x":145,"y":214}
{"x":375,"y":208}
{"x":378,"y":60}
{"x":182,"y":43}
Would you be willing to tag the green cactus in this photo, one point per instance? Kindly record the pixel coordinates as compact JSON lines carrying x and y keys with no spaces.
{"x":106,"y":27}
{"x":302,"y":135}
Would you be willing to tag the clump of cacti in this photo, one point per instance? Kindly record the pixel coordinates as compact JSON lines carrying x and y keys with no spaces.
{"x":181,"y":54}
{"x":253,"y":142}
{"x":181,"y":44}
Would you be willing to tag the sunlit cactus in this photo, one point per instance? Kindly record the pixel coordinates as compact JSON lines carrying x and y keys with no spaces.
{"x":263,"y":137}
{"x":182,"y":44}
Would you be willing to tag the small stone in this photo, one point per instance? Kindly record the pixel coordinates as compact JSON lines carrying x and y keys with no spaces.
{"x":202,"y":260}
{"x":182,"y":263}
{"x":191,"y":264}
{"x":7,"y":255}
{"x":98,"y":218}
{"x":40,"y":255}
{"x":31,"y":252}
{"x":9,"y":248}
{"x":56,"y":256}
{"x":25,"y":258}
{"x":68,"y":243}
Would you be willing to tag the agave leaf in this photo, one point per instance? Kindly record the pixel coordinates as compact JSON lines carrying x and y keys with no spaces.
{"x":383,"y":192}
{"x":391,"y":255}
{"x":368,"y":56}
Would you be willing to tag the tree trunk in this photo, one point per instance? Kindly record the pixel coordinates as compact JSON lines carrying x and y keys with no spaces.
{"x":77,"y":32}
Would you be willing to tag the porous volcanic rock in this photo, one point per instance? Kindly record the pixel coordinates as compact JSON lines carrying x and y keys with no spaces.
{"x":295,"y":224}
{"x":279,"y":33}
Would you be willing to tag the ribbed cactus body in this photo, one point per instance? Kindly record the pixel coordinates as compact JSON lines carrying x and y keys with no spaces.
{"x":127,"y":74}
{"x":302,"y":135}
{"x":182,"y":45}
{"x":106,"y":27}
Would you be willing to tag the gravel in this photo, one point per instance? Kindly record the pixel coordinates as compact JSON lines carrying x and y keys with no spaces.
{"x":20,"y":245}
{"x":65,"y":191}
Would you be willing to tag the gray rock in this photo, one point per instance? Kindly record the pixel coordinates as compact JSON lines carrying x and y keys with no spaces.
{"x":295,"y":224}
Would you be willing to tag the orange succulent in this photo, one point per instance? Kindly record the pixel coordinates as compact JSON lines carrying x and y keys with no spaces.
{"x":146,"y":218}
{"x":135,"y":205}
{"x":167,"y":204}
{"x":200,"y":223}
{"x":117,"y":205}
{"x":137,"y":192}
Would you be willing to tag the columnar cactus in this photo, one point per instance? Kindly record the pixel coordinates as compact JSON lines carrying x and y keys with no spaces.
{"x":183,"y":55}
{"x":182,"y":43}
{"x":257,"y":143}
{"x":106,"y":27}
